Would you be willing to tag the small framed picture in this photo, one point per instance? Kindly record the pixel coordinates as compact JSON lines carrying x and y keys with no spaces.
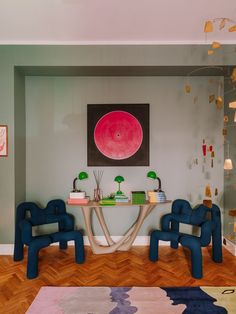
{"x":3,"y":141}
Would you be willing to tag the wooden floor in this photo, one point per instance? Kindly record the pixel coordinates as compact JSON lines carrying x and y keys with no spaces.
{"x":133,"y":268}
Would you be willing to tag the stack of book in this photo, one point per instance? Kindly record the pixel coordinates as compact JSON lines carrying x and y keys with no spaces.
{"x":121,"y":198}
{"x":156,"y":197}
{"x":77,"y":198}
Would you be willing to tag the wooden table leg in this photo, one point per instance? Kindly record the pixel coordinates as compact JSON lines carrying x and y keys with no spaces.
{"x":125,"y":242}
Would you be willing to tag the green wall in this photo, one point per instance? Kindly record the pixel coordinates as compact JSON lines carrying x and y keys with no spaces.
{"x":56,"y":140}
{"x":12,"y":179}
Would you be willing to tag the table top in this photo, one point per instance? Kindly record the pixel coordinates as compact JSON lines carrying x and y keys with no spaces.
{"x":96,"y":204}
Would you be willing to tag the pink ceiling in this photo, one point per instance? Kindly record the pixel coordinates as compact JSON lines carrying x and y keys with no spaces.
{"x":112,"y":21}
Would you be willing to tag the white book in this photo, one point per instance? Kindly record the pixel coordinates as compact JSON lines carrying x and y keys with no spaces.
{"x":77,"y":195}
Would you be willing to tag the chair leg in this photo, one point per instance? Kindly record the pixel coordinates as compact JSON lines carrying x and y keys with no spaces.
{"x":153,"y":250}
{"x":174,"y":227}
{"x":196,"y":255}
{"x":196,"y":259}
{"x":63,"y":245}
{"x":33,"y":251}
{"x":79,"y":248}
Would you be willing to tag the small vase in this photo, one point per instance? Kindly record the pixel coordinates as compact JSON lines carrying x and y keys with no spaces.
{"x":97,"y":195}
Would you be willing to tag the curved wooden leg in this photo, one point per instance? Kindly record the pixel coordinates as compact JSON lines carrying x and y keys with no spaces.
{"x":125,"y":242}
{"x":102,"y":222}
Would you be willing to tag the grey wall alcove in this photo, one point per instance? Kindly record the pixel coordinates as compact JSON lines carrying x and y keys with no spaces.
{"x":39,"y":90}
{"x":141,"y":66}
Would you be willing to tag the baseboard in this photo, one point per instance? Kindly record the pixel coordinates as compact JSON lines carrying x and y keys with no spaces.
{"x":7,"y":249}
{"x":230,"y":246}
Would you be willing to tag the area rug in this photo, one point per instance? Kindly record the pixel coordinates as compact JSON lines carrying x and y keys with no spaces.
{"x":129,"y":300}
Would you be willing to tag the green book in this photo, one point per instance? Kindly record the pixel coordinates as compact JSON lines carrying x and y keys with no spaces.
{"x":107,"y":201}
{"x":138,"y":197}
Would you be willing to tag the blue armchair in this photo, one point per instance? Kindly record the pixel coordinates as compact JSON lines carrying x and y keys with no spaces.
{"x":209,"y":221}
{"x":28,"y":214}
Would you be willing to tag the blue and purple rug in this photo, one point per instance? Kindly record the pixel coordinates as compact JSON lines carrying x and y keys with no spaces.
{"x":140,"y":300}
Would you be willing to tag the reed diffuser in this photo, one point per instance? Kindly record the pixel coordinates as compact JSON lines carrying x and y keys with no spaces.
{"x":98,"y":192}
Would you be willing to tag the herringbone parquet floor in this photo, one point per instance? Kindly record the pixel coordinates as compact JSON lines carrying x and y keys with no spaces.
{"x":133,"y":268}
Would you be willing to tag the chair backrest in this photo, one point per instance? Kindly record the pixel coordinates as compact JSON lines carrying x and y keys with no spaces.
{"x":183,"y":212}
{"x":37,"y":215}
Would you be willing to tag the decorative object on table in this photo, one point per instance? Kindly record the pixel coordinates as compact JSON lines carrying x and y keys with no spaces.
{"x":175,"y":300}
{"x":55,"y":212}
{"x":78,"y":197}
{"x":3,"y":140}
{"x":118,"y":135}
{"x":152,"y":175}
{"x":210,"y":226}
{"x":81,"y":176}
{"x":98,"y":178}
{"x":156,"y":196}
{"x":119,"y":179}
{"x":138,"y":197}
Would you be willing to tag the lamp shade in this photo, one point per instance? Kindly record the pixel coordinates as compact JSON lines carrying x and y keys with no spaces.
{"x":83,"y":175}
{"x":228,"y":164}
{"x":119,"y":179}
{"x":152,"y":175}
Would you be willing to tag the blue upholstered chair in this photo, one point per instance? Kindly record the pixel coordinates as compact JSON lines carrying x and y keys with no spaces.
{"x":210,"y":229}
{"x":28,"y":214}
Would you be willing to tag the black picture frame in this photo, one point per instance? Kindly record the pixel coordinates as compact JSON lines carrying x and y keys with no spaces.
{"x":94,"y":114}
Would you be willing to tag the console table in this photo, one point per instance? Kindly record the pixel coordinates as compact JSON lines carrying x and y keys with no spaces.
{"x":127,"y":240}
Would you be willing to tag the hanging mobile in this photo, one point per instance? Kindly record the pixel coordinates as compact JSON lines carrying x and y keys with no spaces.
{"x":208,"y":191}
{"x":204,"y":149}
{"x":212,"y":158}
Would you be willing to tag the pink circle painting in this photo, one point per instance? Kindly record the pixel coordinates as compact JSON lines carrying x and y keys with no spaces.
{"x":118,"y":135}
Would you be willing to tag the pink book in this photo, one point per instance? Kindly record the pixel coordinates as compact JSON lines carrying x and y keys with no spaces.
{"x":77,"y":201}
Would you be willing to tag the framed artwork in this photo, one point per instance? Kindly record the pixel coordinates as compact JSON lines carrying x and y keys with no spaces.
{"x":118,"y":134}
{"x":3,"y":140}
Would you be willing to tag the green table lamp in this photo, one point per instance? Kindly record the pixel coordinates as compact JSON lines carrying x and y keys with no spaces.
{"x":119,"y":179}
{"x":81,"y":176}
{"x":153,"y":175}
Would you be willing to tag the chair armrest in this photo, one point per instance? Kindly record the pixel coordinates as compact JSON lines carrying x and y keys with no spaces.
{"x":26,"y":231}
{"x":165,"y":222}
